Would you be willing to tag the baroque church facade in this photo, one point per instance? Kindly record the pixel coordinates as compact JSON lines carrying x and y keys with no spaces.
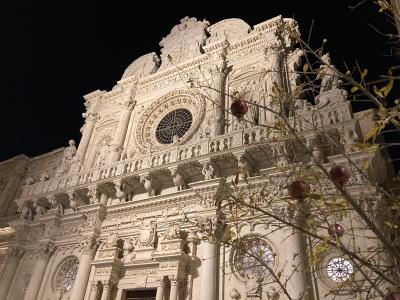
{"x":107,"y":219}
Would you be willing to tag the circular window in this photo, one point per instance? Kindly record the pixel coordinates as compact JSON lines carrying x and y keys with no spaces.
{"x":174,"y":125}
{"x":66,"y":274}
{"x":339,"y":269}
{"x":253,"y":257}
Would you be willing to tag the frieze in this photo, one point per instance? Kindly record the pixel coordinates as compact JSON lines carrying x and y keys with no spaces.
{"x":103,"y":271}
{"x":169,"y":265}
{"x":140,"y":273}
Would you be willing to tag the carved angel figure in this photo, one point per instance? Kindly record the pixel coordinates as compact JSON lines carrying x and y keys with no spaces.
{"x":39,"y":208}
{"x":57,"y":206}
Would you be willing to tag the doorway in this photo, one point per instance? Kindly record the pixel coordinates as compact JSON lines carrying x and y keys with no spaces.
{"x":142,"y":294}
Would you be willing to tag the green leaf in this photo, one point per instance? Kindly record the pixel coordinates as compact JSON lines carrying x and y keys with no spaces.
{"x":305,"y":67}
{"x":364,"y":73}
{"x":388,"y":87}
{"x":378,"y":92}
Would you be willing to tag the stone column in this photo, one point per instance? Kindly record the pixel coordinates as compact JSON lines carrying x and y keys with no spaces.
{"x":219,"y":74}
{"x":297,"y":258}
{"x":91,"y":119}
{"x":127,"y":105}
{"x":173,"y":295}
{"x":107,"y":289}
{"x":89,"y":246}
{"x":208,"y":271}
{"x":160,"y":288}
{"x":45,"y":252}
{"x":94,"y":287}
{"x":13,"y":257}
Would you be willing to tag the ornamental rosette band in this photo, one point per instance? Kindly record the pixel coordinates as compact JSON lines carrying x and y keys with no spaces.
{"x":146,"y":127}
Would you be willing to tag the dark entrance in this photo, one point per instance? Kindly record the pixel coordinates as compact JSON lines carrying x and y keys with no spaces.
{"x":148,"y":294}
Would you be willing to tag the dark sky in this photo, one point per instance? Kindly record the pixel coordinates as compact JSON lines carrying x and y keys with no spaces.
{"x":54,"y":52}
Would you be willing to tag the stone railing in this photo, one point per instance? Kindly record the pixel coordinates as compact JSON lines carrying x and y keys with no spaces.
{"x":177,"y":155}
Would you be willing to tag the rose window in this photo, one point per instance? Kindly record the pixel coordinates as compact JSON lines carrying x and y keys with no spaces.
{"x":339,"y":269}
{"x":174,"y":125}
{"x":253,"y":257}
{"x":66,"y":274}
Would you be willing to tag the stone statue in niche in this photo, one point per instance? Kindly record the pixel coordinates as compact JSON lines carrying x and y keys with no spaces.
{"x":67,"y":160}
{"x":102,"y":152}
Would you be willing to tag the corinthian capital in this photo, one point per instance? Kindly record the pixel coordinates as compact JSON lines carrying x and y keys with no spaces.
{"x":15,"y":251}
{"x":46,"y":250}
{"x":89,"y":244}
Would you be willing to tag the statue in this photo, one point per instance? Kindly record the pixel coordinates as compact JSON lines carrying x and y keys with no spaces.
{"x":208,"y":171}
{"x":151,"y":185}
{"x":101,"y":153}
{"x":39,"y":208}
{"x":178,"y":180}
{"x":244,"y":168}
{"x":57,"y":206}
{"x":68,"y":156}
{"x":328,"y":74}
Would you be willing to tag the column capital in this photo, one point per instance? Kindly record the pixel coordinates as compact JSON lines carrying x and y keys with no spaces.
{"x":174,"y":280}
{"x":15,"y":251}
{"x":46,"y":250}
{"x":108,"y":284}
{"x":89,"y":244}
{"x":94,"y":285}
{"x":160,"y":281}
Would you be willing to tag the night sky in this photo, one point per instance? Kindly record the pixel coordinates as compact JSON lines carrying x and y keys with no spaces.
{"x":54,"y":52}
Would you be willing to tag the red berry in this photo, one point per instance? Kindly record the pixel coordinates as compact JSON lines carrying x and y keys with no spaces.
{"x":299,"y":189}
{"x":339,"y":175}
{"x":336,"y":230}
{"x":239,"y":108}
{"x":393,"y":296}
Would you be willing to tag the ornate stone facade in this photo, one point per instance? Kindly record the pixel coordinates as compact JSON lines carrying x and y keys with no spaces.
{"x":117,"y":204}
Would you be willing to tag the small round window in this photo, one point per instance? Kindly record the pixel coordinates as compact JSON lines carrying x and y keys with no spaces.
{"x":174,"y":126}
{"x":253,"y":257}
{"x":339,"y":269}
